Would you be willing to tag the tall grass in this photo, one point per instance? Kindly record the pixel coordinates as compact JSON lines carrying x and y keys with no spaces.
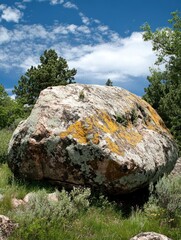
{"x":75,"y":217}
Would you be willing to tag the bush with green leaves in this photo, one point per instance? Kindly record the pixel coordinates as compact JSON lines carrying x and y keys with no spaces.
{"x":165,"y":201}
{"x":41,"y":215}
{"x":5,"y":136}
{"x":122,"y":119}
{"x":10,"y":110}
{"x":168,"y":195}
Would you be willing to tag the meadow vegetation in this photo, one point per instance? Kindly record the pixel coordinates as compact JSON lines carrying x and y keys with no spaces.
{"x":80,"y":215}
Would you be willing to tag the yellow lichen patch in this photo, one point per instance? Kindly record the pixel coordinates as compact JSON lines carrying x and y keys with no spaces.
{"x":156,"y":122}
{"x":130,"y":136}
{"x":134,"y":99}
{"x":156,"y":118}
{"x":77,"y":131}
{"x":90,"y":128}
{"x":83,"y":131}
{"x":95,"y":139}
{"x":113,"y":146}
{"x":108,"y":124}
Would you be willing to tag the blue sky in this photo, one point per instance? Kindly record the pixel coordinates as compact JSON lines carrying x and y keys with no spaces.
{"x":100,"y":38}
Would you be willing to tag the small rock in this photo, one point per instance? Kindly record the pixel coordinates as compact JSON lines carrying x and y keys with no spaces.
{"x":17,"y":202}
{"x":150,"y":236}
{"x":52,"y":197}
{"x":6,"y":227}
{"x":26,"y":199}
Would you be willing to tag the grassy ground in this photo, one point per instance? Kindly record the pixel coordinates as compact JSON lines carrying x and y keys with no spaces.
{"x":67,"y":220}
{"x":76,"y":216}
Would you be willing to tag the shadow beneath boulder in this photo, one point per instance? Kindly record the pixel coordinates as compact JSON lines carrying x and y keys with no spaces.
{"x":131,"y":201}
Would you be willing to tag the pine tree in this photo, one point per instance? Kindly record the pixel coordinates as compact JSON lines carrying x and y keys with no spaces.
{"x":164,"y":90}
{"x":109,"y":83}
{"x":52,"y":71}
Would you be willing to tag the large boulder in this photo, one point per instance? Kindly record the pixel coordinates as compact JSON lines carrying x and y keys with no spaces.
{"x":97,"y":136}
{"x":150,"y":236}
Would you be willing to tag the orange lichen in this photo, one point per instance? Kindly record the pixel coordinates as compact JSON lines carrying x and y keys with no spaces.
{"x":156,"y":118}
{"x":131,"y":136}
{"x":80,"y":131}
{"x":95,"y":139}
{"x":113,"y":146}
{"x":154,"y":122}
{"x":90,"y":125}
{"x":106,"y":123}
{"x":90,"y":128}
{"x":77,"y":131}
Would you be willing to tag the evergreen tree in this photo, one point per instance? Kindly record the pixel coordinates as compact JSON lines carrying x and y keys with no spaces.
{"x":164,"y":90}
{"x":52,"y":71}
{"x":109,"y":83}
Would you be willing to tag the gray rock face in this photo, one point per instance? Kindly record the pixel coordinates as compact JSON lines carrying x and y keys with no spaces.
{"x":177,"y":168}
{"x":97,"y":136}
{"x":150,"y":236}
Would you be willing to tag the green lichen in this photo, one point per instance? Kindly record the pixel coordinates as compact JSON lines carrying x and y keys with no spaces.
{"x":51,"y":144}
{"x":99,"y":178}
{"x":80,"y":155}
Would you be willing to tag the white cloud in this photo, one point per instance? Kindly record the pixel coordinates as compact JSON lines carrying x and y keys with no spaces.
{"x":103,"y":28}
{"x":10,"y":14}
{"x":2,"y":7}
{"x":9,"y":90}
{"x":30,"y":61}
{"x":84,"y":19}
{"x":96,"y":52}
{"x":130,"y":57}
{"x":70,"y":5}
{"x":97,"y":21}
{"x":55,"y":2}
{"x":13,"y":96}
{"x":71,"y":28}
{"x":20,"y":5}
{"x":4,"y":35}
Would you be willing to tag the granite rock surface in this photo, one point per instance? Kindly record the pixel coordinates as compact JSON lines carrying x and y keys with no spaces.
{"x":102,"y":137}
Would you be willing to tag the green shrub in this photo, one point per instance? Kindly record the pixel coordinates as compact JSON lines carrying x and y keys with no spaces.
{"x":168,"y":195}
{"x":42,"y":218}
{"x":165,"y":203}
{"x":134,"y":116}
{"x":81,"y":95}
{"x":14,"y":125}
{"x":122,"y":120}
{"x":5,"y":136}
